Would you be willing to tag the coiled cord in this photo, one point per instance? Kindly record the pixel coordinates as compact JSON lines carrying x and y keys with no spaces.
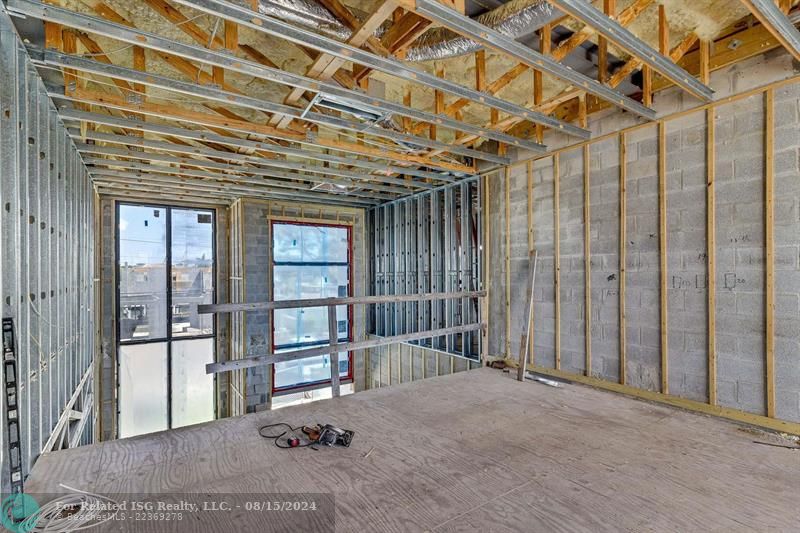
{"x":72,"y":512}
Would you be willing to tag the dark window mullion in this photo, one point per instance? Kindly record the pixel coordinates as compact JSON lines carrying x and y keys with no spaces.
{"x":169,"y":317}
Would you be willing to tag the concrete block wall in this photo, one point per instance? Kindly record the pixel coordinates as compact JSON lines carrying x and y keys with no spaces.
{"x":573,"y":322}
{"x":495,"y":267}
{"x":642,"y":334}
{"x":787,"y":252}
{"x":687,"y":259}
{"x":519,"y":262}
{"x":741,"y":274}
{"x":544,"y":291}
{"x":740,"y":252}
{"x":604,"y":241}
{"x":257,"y":263}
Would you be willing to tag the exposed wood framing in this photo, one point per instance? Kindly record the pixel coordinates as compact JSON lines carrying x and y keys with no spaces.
{"x":557,"y":255}
{"x":587,"y":242}
{"x":657,"y":60}
{"x":507,"y":255}
{"x":662,"y":250}
{"x":325,"y":66}
{"x":750,"y":42}
{"x":626,"y":17}
{"x":711,"y":407}
{"x":775,"y":21}
{"x":531,"y":248}
{"x":705,"y":58}
{"x":487,"y":261}
{"x":711,"y":252}
{"x":769,"y":240}
{"x":774,"y":424}
{"x":623,"y":238}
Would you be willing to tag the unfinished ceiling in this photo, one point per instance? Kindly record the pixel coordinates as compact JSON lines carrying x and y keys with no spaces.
{"x":345,"y":144}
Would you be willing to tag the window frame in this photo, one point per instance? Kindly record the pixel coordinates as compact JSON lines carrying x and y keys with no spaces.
{"x":278,"y":391}
{"x":169,"y":338}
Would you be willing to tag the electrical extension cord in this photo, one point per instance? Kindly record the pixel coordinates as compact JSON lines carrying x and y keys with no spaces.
{"x":51,"y":518}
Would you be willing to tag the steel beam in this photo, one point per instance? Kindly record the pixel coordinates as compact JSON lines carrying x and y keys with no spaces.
{"x":324,"y":302}
{"x":57,"y":59}
{"x":443,"y":165}
{"x":270,"y":358}
{"x":100,"y":175}
{"x":778,"y":24}
{"x":95,"y":162}
{"x":229,"y":183}
{"x":129,"y":140}
{"x":449,"y":18}
{"x":235,"y":64}
{"x":259,"y":22}
{"x":615,"y":32}
{"x":162,"y":158}
{"x":69,"y":114}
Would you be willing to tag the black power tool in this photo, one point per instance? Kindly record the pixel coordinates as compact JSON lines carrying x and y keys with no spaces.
{"x":331,"y":435}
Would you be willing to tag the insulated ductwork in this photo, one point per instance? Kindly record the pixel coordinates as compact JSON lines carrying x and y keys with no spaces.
{"x":307,"y":13}
{"x":516,"y":19}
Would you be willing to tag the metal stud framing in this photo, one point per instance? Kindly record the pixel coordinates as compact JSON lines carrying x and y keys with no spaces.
{"x":429,"y":242}
{"x":47,"y":267}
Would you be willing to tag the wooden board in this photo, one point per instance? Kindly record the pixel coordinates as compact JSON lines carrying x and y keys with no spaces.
{"x":470,"y":451}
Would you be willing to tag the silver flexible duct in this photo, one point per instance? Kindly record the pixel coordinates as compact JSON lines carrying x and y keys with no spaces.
{"x":306,"y":13}
{"x":516,"y":19}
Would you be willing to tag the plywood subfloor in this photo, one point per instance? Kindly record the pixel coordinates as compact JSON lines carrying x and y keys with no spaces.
{"x":474,"y":451}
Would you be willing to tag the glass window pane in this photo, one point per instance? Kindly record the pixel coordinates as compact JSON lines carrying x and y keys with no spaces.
{"x":286,"y":242}
{"x":192,"y":388}
{"x":142,"y":272}
{"x":295,"y":282}
{"x":142,"y":388}
{"x":310,"y":370}
{"x":192,"y":271}
{"x":297,"y":398}
{"x":307,"y":326}
{"x":305,"y":243}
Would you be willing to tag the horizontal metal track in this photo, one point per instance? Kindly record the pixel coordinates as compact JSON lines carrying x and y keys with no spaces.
{"x":236,"y":64}
{"x":57,"y":95}
{"x":102,"y":166}
{"x":324,"y":302}
{"x":149,"y":190}
{"x":70,"y":114}
{"x":770,"y":15}
{"x":191,"y":173}
{"x":149,"y":194}
{"x":268,"y":359}
{"x":449,"y":18}
{"x":130,"y":140}
{"x":223,"y":189}
{"x":615,"y":32}
{"x":388,"y":65}
{"x":53,"y":58}
{"x":162,"y":158}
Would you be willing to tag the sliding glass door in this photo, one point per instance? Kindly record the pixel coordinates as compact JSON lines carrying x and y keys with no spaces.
{"x":165,"y":268}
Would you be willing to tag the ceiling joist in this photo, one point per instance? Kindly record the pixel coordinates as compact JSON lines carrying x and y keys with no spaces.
{"x":391,"y":66}
{"x":616,"y":33}
{"x":777,"y":23}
